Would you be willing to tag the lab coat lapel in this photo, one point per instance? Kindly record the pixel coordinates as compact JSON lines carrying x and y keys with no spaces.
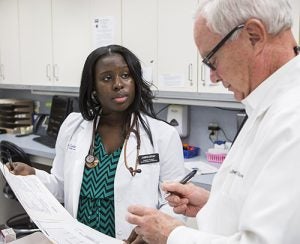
{"x":83,"y":145}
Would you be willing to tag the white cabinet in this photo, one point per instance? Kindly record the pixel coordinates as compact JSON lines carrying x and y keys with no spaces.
{"x":36,"y":42}
{"x":296,"y":19}
{"x":160,"y":33}
{"x":176,"y":50}
{"x":71,"y":28}
{"x":9,"y":42}
{"x":54,"y":41}
{"x":139,"y":33}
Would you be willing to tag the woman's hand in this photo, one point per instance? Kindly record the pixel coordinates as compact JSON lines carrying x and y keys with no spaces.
{"x":185,"y":199}
{"x":18,"y":168}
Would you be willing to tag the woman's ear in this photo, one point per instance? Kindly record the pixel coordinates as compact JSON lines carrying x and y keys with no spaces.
{"x":257,"y":33}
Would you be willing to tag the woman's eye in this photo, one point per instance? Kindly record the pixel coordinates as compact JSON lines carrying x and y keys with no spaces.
{"x":107,"y":78}
{"x":213,"y":61}
{"x":125,"y":76}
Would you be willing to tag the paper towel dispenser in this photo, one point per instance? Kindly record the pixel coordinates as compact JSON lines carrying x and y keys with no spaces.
{"x":177,"y":116}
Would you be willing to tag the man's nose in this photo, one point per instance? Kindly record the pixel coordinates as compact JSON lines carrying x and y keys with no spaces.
{"x":214,"y":77}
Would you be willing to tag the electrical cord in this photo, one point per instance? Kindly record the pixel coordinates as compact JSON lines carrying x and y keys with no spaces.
{"x":225,"y":135}
{"x":162,"y":109}
{"x":212,"y":133}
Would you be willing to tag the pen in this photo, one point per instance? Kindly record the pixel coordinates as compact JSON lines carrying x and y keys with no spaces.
{"x":188,"y":176}
{"x":184,"y":180}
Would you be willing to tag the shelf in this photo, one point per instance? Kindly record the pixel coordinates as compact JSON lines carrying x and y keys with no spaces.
{"x":166,"y":97}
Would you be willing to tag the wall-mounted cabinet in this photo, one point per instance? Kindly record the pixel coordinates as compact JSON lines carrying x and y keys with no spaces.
{"x":9,"y":42}
{"x":296,"y":18}
{"x":139,"y":33}
{"x":165,"y":44}
{"x":45,"y":43}
{"x":54,"y":41}
{"x":177,"y":53}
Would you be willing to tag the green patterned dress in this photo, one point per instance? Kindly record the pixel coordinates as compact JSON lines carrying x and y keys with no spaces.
{"x":96,"y":201}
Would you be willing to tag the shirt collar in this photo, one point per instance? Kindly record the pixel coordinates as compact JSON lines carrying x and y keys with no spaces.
{"x":261,"y":98}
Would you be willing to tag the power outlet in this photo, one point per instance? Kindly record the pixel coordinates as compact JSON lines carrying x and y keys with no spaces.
{"x":213,"y":131}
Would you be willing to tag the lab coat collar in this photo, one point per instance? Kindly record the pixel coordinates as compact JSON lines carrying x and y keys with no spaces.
{"x":259,"y":100}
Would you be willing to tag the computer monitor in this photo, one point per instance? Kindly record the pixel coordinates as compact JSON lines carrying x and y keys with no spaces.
{"x":60,"y":108}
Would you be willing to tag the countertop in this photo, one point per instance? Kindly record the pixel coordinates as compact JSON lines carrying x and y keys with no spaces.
{"x":44,"y":155}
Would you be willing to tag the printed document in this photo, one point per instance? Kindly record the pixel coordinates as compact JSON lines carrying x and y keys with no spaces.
{"x":49,"y":215}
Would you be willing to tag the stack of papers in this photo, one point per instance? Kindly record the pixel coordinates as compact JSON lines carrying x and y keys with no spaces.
{"x":203,"y":167}
{"x":49,"y":215}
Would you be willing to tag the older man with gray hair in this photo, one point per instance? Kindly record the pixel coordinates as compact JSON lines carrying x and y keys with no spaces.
{"x":255,"y":199}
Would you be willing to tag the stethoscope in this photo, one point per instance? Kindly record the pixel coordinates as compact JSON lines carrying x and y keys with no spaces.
{"x":92,"y":161}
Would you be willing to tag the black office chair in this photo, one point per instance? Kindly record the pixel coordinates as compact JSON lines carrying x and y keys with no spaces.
{"x":21,"y":223}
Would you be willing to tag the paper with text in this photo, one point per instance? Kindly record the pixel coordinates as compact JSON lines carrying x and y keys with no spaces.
{"x":49,"y":215}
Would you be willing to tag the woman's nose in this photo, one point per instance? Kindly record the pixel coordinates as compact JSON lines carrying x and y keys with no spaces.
{"x":118,"y":84}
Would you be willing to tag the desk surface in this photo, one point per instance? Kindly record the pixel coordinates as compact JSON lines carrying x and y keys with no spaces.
{"x":30,"y":146}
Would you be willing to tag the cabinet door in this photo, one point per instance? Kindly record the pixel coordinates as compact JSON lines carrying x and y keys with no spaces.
{"x":9,"y":42}
{"x":177,"y":52}
{"x":36,"y":42}
{"x":71,"y":40}
{"x":139,"y":33}
{"x":296,"y":19}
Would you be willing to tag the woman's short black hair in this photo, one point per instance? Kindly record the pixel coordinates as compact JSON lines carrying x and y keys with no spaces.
{"x":143,"y":94}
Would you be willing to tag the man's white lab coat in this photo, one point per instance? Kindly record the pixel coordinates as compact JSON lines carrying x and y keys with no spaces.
{"x":255,"y":197}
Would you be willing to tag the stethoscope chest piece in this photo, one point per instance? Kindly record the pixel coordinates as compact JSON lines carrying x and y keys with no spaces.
{"x":91,"y":161}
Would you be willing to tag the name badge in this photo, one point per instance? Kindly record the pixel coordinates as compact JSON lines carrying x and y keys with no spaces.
{"x":71,"y":147}
{"x":149,"y":158}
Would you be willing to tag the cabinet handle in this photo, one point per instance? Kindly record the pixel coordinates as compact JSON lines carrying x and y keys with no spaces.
{"x":56,"y":72}
{"x":203,"y":74}
{"x":48,"y":71}
{"x":191,"y":74}
{"x":2,"y":71}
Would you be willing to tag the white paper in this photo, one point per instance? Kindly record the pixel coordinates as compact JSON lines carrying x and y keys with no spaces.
{"x":147,"y":73}
{"x":203,"y":168}
{"x":103,"y":31}
{"x":49,"y":215}
{"x":172,"y":80}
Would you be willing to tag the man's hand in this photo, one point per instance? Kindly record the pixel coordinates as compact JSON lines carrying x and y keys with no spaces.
{"x":18,"y":168}
{"x":152,"y":225}
{"x":185,"y":199}
{"x":134,"y":238}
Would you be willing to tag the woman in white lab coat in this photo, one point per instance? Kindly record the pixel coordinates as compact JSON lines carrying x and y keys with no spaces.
{"x":114,"y":153}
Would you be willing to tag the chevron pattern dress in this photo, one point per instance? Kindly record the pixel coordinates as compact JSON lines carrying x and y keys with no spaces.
{"x":96,"y":201}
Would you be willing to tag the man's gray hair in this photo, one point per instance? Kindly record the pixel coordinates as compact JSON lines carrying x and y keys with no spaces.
{"x":224,"y":15}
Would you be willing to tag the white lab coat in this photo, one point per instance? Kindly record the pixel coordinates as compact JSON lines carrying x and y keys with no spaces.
{"x":255,"y":196}
{"x":72,"y":146}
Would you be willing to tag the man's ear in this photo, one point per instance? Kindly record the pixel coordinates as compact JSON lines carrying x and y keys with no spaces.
{"x":257,"y":33}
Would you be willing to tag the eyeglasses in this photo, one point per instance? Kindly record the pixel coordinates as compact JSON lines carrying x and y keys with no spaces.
{"x":206,"y":60}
